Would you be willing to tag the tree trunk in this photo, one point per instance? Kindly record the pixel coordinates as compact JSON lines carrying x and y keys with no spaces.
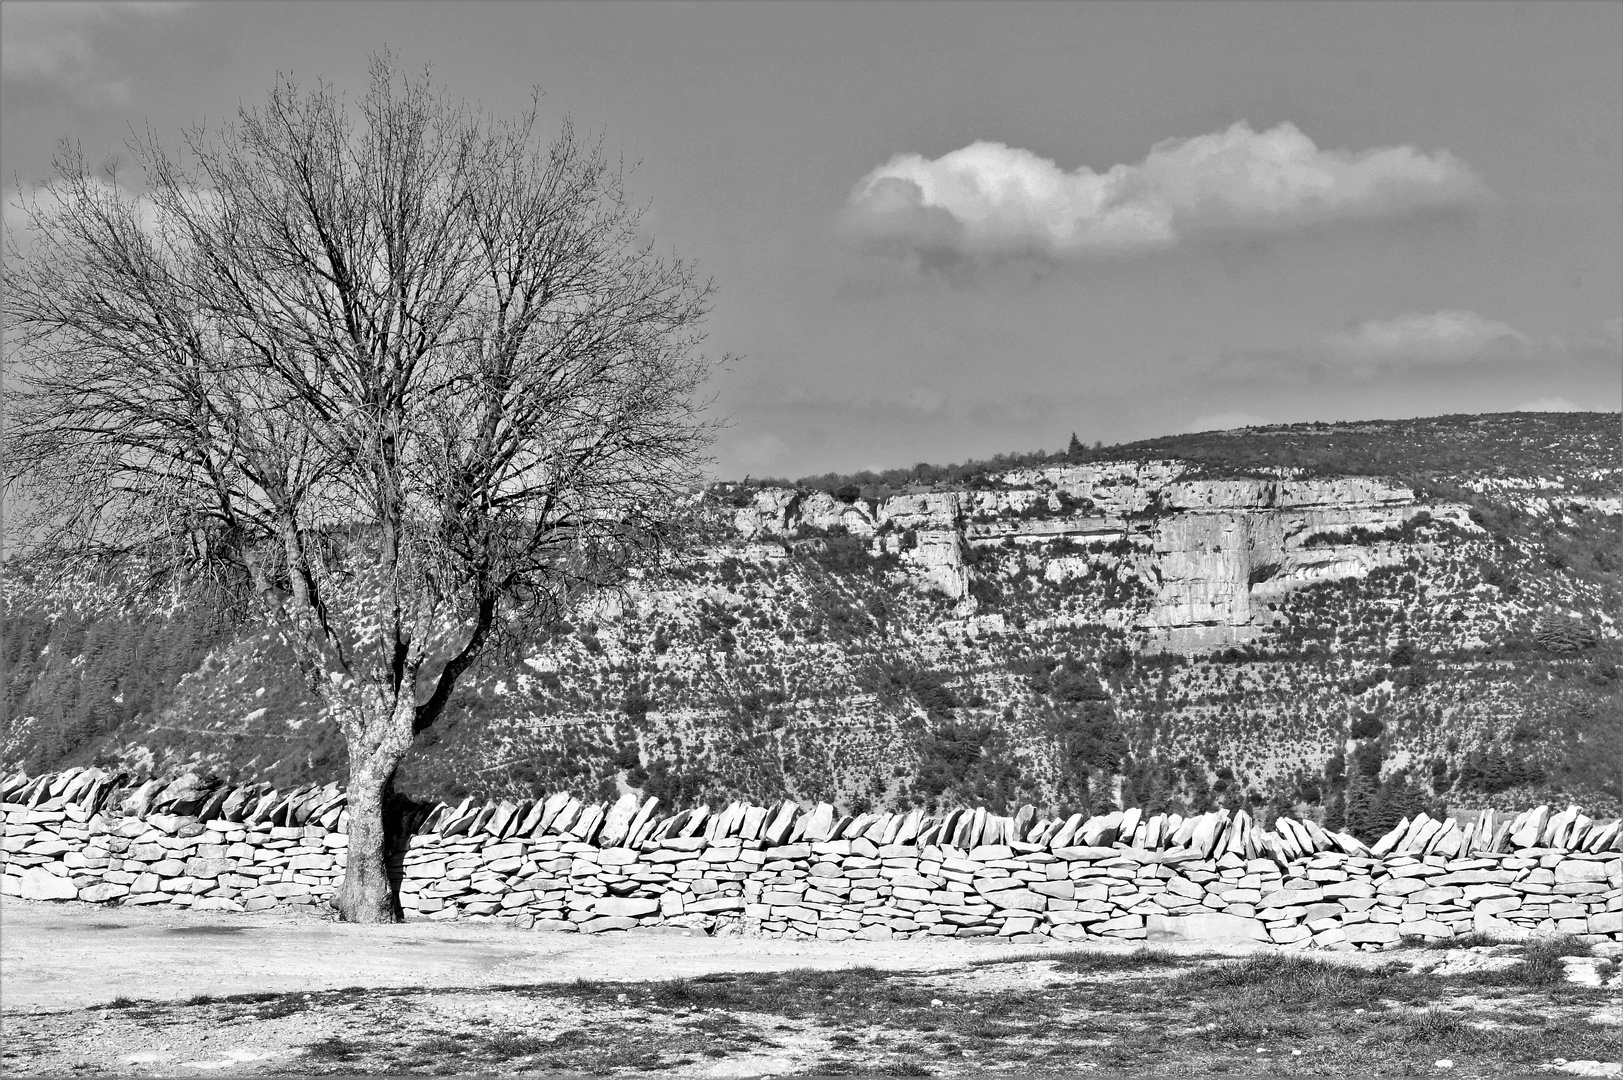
{"x":366,"y":894}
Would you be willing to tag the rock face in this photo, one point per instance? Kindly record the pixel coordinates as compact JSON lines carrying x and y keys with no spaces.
{"x":1212,"y":554}
{"x":789,"y":871}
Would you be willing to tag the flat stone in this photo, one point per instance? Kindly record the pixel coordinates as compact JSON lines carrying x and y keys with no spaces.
{"x":50,"y":847}
{"x":1474,"y":893}
{"x":1475,"y":877}
{"x":1203,"y":928}
{"x":1492,"y":926}
{"x":1019,"y":899}
{"x":1439,"y":895}
{"x":1371,"y":933}
{"x":1184,"y":887}
{"x":100,"y":894}
{"x":1497,"y":905}
{"x":1590,"y":1067}
{"x":1412,"y":870}
{"x":1569,"y":871}
{"x":38,"y":884}
{"x":1425,"y":928}
{"x":607,"y":922}
{"x":630,"y":907}
{"x":713,"y":904}
{"x":208,"y":868}
{"x":1069,"y":918}
{"x":216,"y":903}
{"x":1292,"y":898}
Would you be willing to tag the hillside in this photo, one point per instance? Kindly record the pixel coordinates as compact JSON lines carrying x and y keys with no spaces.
{"x":1350,"y":620}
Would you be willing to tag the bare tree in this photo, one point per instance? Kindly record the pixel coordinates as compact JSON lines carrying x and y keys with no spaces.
{"x":402,"y":374}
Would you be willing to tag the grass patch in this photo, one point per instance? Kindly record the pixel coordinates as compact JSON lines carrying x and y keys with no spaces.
{"x":334,"y":1048}
{"x":1145,"y":1012}
{"x":279,"y":1006}
{"x":251,"y":999}
{"x":1088,"y":962}
{"x":1433,"y":1025}
{"x":1557,"y":946}
{"x":200,"y":999}
{"x":122,"y":1002}
{"x":793,"y":994}
{"x":1299,"y":983}
{"x":1540,"y":966}
{"x":507,"y":1045}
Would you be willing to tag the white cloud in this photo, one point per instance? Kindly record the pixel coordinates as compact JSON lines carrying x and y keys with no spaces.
{"x":1442,"y":337}
{"x":990,"y":200}
{"x":1547,"y":404}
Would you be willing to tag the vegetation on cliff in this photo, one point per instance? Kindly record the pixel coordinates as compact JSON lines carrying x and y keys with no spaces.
{"x":1470,"y":667}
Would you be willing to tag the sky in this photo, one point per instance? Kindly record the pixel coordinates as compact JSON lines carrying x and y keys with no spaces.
{"x":944,"y":231}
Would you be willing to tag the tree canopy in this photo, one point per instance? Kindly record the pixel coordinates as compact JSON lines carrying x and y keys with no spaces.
{"x":401,"y":375}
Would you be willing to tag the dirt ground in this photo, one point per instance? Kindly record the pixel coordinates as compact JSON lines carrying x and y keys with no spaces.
{"x":64,"y":956}
{"x":140,"y":992}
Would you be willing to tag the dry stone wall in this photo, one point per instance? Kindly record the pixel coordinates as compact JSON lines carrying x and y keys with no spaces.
{"x":561,"y":864}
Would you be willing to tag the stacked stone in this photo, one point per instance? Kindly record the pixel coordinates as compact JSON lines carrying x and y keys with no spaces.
{"x":554,"y":883}
{"x":70,"y":836}
{"x":1539,"y":872}
{"x":564,"y":864}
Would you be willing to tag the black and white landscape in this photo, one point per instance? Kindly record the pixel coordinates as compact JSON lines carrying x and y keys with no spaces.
{"x":804,"y":538}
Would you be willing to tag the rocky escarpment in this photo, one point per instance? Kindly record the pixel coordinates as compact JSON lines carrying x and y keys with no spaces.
{"x":1250,"y":620}
{"x":1211,"y":556}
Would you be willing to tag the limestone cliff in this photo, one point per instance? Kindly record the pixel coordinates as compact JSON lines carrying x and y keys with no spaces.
{"x":1213,"y":554}
{"x":977,"y":634}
